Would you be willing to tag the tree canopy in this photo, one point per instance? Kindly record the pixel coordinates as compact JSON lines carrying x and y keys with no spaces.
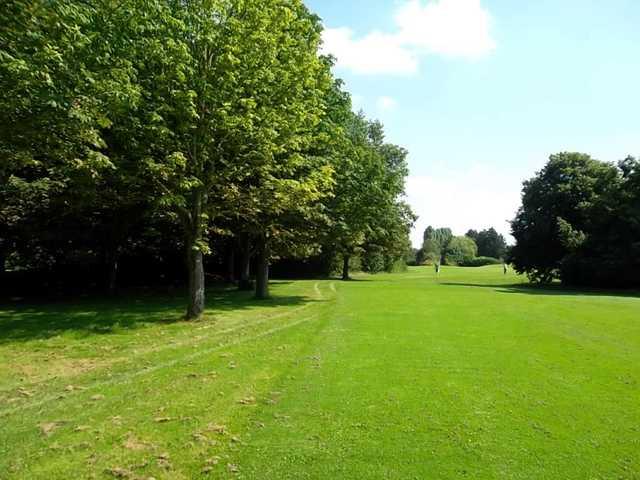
{"x":579,"y":222}
{"x":460,"y":250}
{"x":490,"y":243}
{"x":142,"y":129}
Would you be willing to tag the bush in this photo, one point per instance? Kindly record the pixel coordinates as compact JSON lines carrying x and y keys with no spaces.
{"x":481,"y":262}
{"x":397,"y":266}
{"x":373,"y":262}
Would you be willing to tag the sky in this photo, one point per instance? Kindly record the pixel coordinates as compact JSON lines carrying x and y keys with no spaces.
{"x":481,"y":92}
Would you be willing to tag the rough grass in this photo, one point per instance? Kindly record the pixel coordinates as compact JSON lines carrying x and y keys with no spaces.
{"x":473,"y":375}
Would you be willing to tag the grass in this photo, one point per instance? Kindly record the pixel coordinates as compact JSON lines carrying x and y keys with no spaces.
{"x":475,"y":375}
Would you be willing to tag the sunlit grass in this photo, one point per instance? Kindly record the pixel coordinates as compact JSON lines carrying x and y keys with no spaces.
{"x":473,"y":374}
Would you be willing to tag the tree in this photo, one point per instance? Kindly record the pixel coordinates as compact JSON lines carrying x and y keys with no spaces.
{"x":391,"y":226}
{"x":472,"y":234}
{"x":562,"y":200}
{"x":460,"y":250}
{"x":280,"y":194}
{"x":60,"y":80}
{"x":126,"y":121}
{"x":490,"y":243}
{"x":605,"y":253}
{"x":388,"y":246}
{"x":353,"y":207}
{"x":435,"y":242}
{"x":250,"y":95}
{"x":365,"y":212}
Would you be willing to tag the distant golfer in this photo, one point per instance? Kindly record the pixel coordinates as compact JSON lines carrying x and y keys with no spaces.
{"x":504,"y":268}
{"x":437,"y":265}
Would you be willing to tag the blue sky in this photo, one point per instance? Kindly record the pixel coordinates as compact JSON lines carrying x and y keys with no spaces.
{"x":482,"y":91}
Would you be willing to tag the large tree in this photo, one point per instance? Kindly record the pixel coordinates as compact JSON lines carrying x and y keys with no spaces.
{"x":559,"y":204}
{"x":352,"y":208}
{"x":59,"y":82}
{"x":365,"y":209}
{"x":606,"y":252}
{"x":245,"y":108}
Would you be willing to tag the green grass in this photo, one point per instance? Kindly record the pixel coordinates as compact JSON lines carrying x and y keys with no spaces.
{"x":398,"y":376}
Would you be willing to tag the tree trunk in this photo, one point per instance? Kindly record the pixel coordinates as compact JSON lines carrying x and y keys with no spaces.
{"x":231,"y":261}
{"x":112,"y":271}
{"x":245,"y":281}
{"x":195,"y":259}
{"x":114,"y":238}
{"x":3,"y":257}
{"x":262,"y":275}
{"x":196,"y":283}
{"x":345,"y":267}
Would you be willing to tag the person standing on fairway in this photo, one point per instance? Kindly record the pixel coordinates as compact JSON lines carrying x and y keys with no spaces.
{"x":437,"y":265}
{"x":504,"y":268}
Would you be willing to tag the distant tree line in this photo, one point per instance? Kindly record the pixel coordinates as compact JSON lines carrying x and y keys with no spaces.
{"x":580,"y":223}
{"x":165,"y":139}
{"x":473,"y":249}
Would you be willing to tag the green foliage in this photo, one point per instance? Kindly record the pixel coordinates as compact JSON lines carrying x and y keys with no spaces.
{"x":366,"y":213}
{"x":435,"y":243}
{"x":460,"y":250}
{"x":373,"y":262}
{"x":579,"y":223}
{"x":490,"y":242}
{"x":413,"y":256}
{"x":216,"y":116}
{"x":481,"y":262}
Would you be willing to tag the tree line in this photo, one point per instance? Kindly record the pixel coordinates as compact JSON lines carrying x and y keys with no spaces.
{"x":134,"y":130}
{"x":475,"y":248}
{"x":580,"y":223}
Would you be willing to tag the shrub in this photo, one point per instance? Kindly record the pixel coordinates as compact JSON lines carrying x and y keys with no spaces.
{"x":481,"y":262}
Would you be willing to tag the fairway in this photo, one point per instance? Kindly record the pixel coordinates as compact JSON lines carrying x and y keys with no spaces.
{"x":394,"y":376}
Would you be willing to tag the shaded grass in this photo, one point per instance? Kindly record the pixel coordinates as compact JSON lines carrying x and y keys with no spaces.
{"x":401,"y":376}
{"x":88,"y":316}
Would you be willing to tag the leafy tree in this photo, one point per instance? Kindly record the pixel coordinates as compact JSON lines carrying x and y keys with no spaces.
{"x":281,"y":193}
{"x":560,"y":204}
{"x":54,"y":87}
{"x":420,"y":257}
{"x":359,"y":195}
{"x":388,"y":245}
{"x":460,"y":250}
{"x":391,"y":226}
{"x":59,"y":80}
{"x":490,"y":242}
{"x":472,"y":234}
{"x":250,"y":96}
{"x":126,"y":120}
{"x":605,"y":252}
{"x":435,"y":243}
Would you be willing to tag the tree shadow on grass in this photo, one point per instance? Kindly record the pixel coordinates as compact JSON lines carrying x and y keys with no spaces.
{"x":554,"y":289}
{"x":99,"y":316}
{"x":354,"y":279}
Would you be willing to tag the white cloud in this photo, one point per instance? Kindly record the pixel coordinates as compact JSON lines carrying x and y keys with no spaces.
{"x":450,"y":28}
{"x":374,"y":53}
{"x":476,"y":199}
{"x":386,"y":103}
